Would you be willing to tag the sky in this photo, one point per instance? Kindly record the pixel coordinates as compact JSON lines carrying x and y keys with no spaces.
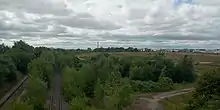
{"x":113,"y":23}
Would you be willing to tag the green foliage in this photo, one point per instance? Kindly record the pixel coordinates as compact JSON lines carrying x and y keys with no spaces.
{"x":42,"y":69}
{"x":69,"y":60}
{"x":184,"y":71}
{"x":40,"y":75}
{"x":99,"y":82}
{"x":98,"y":100}
{"x":23,"y":46}
{"x":20,"y":58}
{"x":125,"y":65}
{"x":151,"y":69}
{"x":8,"y":71}
{"x":3,"y":48}
{"x":36,"y":92}
{"x":166,"y":83}
{"x":22,"y":54}
{"x":48,"y":56}
{"x":207,"y":96}
{"x":21,"y":106}
{"x":163,"y":84}
{"x":72,"y":85}
{"x":117,"y":93}
{"x":145,"y":86}
{"x":108,"y":82}
{"x":39,"y":50}
{"x":78,"y":103}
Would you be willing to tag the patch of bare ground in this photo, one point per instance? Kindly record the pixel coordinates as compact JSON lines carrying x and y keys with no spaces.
{"x":151,"y":101}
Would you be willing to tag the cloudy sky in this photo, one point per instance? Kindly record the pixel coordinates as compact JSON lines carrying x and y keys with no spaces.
{"x":138,"y":23}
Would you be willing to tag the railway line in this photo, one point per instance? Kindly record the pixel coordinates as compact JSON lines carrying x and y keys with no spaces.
{"x":55,"y":100}
{"x":15,"y":91}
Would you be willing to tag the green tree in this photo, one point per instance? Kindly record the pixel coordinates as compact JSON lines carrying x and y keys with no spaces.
{"x":20,"y":58}
{"x":23,"y":46}
{"x":73,"y":84}
{"x":98,"y":100}
{"x":78,"y":103}
{"x":42,"y":69}
{"x":207,"y":95}
{"x":184,"y":70}
{"x":8,"y":71}
{"x":36,"y":93}
{"x":3,"y":48}
{"x":22,"y":54}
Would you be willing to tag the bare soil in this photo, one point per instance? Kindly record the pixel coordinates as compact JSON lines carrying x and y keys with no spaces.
{"x":151,"y":102}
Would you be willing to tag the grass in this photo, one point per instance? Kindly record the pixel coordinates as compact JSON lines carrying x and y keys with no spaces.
{"x":182,"y":86}
{"x":176,"y":102}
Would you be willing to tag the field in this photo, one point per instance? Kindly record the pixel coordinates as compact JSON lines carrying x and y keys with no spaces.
{"x":196,"y":56}
{"x":203,"y":62}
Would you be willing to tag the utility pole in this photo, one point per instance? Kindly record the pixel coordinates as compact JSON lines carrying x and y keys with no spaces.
{"x":97,"y":44}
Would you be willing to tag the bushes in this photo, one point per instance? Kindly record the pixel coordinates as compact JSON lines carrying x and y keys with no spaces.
{"x":42,"y":68}
{"x":97,"y":85}
{"x":8,"y":71}
{"x":207,"y":95}
{"x":164,"y":84}
{"x":36,"y":93}
{"x":152,"y":68}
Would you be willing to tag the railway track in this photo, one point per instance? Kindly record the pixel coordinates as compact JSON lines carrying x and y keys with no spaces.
{"x":15,"y":90}
{"x":56,"y":101}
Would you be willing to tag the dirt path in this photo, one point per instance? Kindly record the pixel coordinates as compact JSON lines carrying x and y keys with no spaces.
{"x":151,"y":102}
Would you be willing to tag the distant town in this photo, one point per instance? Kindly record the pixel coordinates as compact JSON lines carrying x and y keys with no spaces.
{"x":131,"y":49}
{"x":185,"y":50}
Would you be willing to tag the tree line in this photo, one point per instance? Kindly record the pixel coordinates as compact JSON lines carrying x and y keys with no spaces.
{"x":14,"y":61}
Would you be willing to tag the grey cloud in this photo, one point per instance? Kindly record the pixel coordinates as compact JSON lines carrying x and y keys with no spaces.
{"x":84,"y":15}
{"x":174,"y":36}
{"x":17,"y":27}
{"x":87,"y":23}
{"x":35,"y":6}
{"x":136,"y":13}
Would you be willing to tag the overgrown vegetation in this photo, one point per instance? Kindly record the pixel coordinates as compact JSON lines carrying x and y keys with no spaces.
{"x":14,"y":61}
{"x":102,"y":82}
{"x":207,"y":95}
{"x":107,"y":82}
{"x":40,"y":75}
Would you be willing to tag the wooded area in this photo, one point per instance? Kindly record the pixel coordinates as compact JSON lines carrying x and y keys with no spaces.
{"x":104,"y":81}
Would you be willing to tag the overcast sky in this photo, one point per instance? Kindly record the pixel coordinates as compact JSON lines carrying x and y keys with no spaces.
{"x":138,"y":23}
